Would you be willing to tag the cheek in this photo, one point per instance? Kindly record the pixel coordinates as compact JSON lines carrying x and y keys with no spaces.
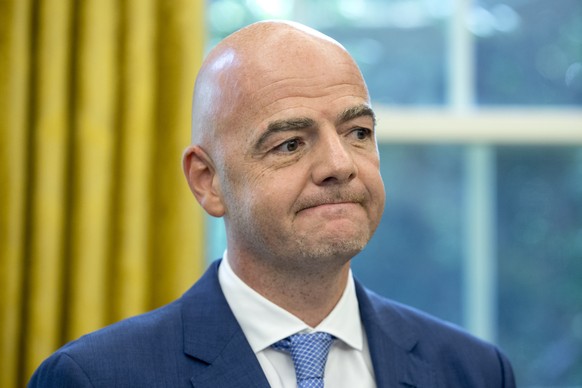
{"x":256,"y":194}
{"x":235,"y":193}
{"x":380,"y":198}
{"x":375,"y":186}
{"x":377,"y":183}
{"x":275,"y":201}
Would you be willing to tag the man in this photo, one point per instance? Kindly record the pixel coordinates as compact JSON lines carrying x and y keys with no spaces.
{"x":283,"y":147}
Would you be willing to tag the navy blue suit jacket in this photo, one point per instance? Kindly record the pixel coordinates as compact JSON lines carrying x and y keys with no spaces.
{"x":197,"y":342}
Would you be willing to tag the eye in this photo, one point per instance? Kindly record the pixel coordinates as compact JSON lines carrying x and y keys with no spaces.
{"x":291,"y":145}
{"x":362,"y":133}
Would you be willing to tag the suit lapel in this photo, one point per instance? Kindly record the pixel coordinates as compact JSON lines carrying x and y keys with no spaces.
{"x":236,"y":366}
{"x":392,"y":341}
{"x":213,"y":337}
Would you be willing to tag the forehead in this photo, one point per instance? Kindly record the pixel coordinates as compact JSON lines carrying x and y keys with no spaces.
{"x":313,"y":84}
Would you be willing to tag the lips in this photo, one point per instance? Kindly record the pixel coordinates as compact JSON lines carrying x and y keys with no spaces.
{"x":331,"y":203}
{"x":345,"y":198}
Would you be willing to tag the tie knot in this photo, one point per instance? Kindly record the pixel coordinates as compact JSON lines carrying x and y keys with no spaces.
{"x":309,"y":353}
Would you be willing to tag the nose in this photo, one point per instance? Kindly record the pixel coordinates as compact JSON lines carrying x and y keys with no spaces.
{"x":334,"y":162}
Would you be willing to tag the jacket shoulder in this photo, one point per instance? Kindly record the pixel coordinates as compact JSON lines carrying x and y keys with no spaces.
{"x":125,"y":353}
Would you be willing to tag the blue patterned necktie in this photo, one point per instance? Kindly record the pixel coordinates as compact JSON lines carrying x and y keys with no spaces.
{"x":309,"y":353}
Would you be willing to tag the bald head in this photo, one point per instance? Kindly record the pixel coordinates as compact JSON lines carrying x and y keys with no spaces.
{"x":252,"y":62}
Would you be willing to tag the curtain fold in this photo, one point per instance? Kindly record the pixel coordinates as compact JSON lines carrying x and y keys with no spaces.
{"x":47,"y":181}
{"x":134,"y":176}
{"x":93,"y":150}
{"x":96,"y":220}
{"x":14,"y":93}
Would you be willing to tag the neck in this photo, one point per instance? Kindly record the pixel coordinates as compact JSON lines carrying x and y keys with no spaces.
{"x":309,"y":294}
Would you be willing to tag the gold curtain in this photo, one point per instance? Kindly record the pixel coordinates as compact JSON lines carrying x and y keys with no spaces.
{"x":96,"y":220}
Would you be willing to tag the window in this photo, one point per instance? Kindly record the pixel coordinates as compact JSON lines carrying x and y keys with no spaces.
{"x":480,"y":134}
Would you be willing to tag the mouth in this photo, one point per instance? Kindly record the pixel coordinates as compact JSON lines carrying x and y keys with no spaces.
{"x":343,"y":202}
{"x":329,"y":211}
{"x":330,"y":204}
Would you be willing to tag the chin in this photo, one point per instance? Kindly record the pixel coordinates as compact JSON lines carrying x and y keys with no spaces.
{"x":333,"y":248}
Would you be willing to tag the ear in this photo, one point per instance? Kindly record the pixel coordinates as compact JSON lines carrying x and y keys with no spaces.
{"x":201,"y":175}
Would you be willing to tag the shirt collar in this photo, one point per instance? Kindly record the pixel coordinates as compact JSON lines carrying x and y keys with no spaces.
{"x":265,"y":323}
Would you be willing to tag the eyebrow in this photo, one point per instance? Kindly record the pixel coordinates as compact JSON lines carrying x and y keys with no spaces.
{"x":298,"y":123}
{"x":278,"y":126}
{"x":354,"y":112}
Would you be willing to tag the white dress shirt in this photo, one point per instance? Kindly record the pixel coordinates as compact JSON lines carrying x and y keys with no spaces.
{"x":264,"y":323}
